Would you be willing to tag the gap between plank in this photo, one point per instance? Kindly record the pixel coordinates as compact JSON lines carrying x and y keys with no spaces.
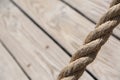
{"x":66,"y":51}
{"x":29,"y":78}
{"x":118,"y":38}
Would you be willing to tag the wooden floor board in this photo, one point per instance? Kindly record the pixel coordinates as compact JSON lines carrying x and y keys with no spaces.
{"x":93,"y":9}
{"x":9,"y":70}
{"x":38,"y":55}
{"x":69,"y":29}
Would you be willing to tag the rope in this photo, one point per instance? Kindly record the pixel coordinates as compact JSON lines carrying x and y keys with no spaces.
{"x":93,"y":43}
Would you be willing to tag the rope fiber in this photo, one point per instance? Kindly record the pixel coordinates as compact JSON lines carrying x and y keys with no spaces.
{"x":92,"y":44}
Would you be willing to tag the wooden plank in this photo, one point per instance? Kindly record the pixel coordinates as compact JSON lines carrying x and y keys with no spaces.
{"x":93,"y":9}
{"x":40,"y":57}
{"x":9,"y":70}
{"x":69,"y":29}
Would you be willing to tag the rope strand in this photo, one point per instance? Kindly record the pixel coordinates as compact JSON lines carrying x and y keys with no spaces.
{"x":93,"y":43}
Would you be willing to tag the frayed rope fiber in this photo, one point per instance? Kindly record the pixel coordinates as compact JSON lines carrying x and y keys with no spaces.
{"x":93,"y":43}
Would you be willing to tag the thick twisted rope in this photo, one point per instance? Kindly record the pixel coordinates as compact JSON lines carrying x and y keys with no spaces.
{"x":93,"y":43}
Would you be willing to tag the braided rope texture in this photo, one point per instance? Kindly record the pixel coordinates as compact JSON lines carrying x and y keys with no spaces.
{"x":93,"y":43}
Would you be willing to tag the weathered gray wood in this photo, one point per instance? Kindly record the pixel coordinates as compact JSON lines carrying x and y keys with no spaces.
{"x":9,"y":70}
{"x":69,"y":29}
{"x":40,"y":57}
{"x":93,"y":9}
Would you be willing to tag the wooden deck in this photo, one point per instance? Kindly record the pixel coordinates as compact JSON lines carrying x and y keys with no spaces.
{"x":38,"y":37}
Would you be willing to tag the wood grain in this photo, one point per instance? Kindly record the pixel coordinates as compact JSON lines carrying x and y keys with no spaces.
{"x":40,"y":57}
{"x":69,"y":29}
{"x":93,"y":9}
{"x":9,"y":70}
